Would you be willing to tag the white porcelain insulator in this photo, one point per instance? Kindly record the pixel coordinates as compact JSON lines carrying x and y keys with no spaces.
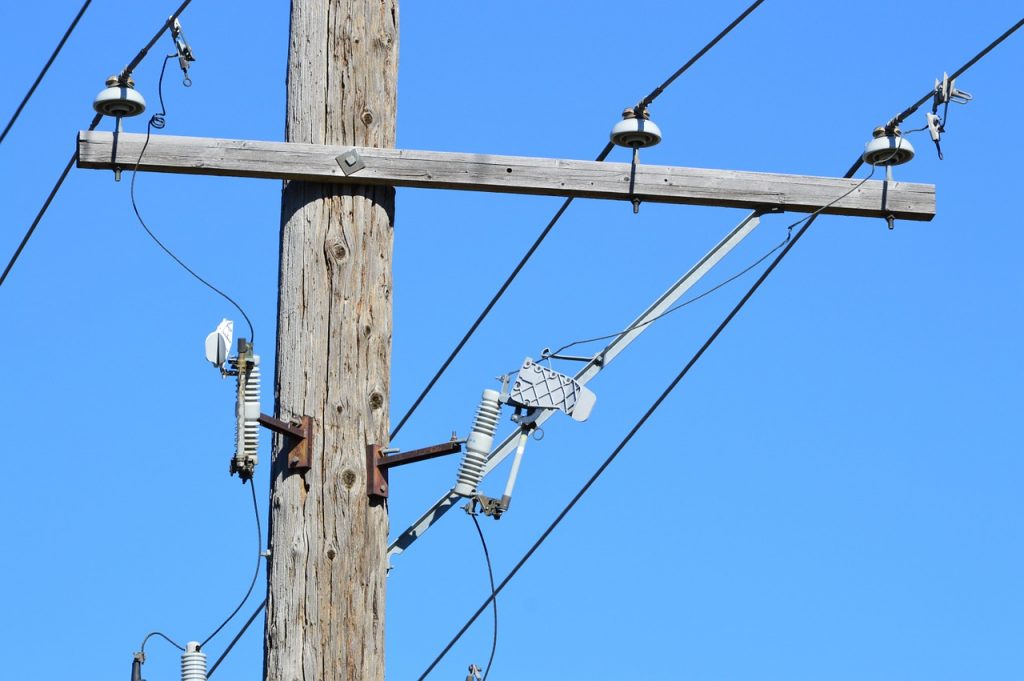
{"x":247,"y":425}
{"x":478,"y":444}
{"x":193,"y":663}
{"x":119,"y":101}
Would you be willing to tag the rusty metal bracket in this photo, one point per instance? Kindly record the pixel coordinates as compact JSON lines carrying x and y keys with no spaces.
{"x":298,"y":444}
{"x":378,"y":462}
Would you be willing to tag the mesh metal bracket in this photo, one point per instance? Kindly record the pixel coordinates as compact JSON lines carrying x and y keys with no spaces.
{"x":538,"y":387}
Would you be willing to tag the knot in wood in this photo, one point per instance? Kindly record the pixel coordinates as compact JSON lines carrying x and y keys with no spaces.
{"x":367,"y":117}
{"x":337,"y":250}
{"x":348,"y":478}
{"x":376,"y":400}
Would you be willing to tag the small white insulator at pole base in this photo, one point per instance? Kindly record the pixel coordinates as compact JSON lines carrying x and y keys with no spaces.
{"x":193,"y":663}
{"x":478,"y":444}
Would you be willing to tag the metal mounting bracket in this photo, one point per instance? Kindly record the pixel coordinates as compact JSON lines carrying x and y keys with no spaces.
{"x":298,"y":444}
{"x":379,"y":461}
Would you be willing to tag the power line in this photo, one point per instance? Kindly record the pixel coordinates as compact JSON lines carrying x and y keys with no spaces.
{"x":808,"y":221}
{"x":544,"y":233}
{"x":906,"y":113}
{"x":92,"y":126}
{"x":152,"y":41}
{"x":46,"y":204}
{"x":157,"y":121}
{"x":238,"y":636}
{"x":162,"y":635}
{"x":487,"y":309}
{"x":639,"y":424}
{"x":689,"y":301}
{"x":259,"y":558}
{"x":646,"y":101}
{"x":46,"y":67}
{"x":494,"y":595}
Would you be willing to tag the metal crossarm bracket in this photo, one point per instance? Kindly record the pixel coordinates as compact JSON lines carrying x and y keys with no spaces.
{"x":379,"y":461}
{"x":298,"y":444}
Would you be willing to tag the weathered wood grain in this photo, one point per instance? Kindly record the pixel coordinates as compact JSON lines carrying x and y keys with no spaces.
{"x":510,"y":174}
{"x":325,"y":607}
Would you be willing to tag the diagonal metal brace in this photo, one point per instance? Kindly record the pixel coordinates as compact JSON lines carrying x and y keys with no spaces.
{"x":378,"y":462}
{"x":298,"y":443}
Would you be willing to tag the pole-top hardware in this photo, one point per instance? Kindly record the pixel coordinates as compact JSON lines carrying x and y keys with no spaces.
{"x":185,"y":54}
{"x":888,"y":147}
{"x":298,"y":443}
{"x":193,"y":663}
{"x":635,"y":130}
{"x":379,"y":460}
{"x":119,"y":98}
{"x":536,"y":390}
{"x":350,"y":162}
{"x":946,"y":92}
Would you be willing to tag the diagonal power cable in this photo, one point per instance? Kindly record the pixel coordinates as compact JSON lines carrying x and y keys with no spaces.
{"x":46,"y":204}
{"x":808,"y":221}
{"x":92,"y":126}
{"x":46,"y":67}
{"x":547,"y":229}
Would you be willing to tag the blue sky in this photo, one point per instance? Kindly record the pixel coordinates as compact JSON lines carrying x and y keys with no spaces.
{"x":833,"y":492}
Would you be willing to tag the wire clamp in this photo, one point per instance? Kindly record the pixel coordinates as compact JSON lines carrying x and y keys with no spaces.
{"x":474,"y":673}
{"x":185,"y":55}
{"x":946,"y":92}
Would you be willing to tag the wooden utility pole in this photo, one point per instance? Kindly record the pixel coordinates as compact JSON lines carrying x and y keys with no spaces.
{"x":325,"y":608}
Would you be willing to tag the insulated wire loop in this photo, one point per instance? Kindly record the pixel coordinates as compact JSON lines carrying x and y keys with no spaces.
{"x":142,"y":648}
{"x":158,"y":121}
{"x":558,"y":214}
{"x":46,"y":67}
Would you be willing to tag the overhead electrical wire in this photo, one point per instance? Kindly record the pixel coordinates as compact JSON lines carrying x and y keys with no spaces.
{"x":808,"y":221}
{"x":157,"y":121}
{"x":46,"y":204}
{"x":252,"y":584}
{"x":238,"y":636}
{"x":159,"y":634}
{"x":554,"y":353}
{"x":547,"y":229}
{"x":46,"y":67}
{"x":92,"y":126}
{"x":494,"y":594}
{"x":256,"y":573}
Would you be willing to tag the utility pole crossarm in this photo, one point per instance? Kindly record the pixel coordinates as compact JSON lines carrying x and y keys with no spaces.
{"x":507,"y":174}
